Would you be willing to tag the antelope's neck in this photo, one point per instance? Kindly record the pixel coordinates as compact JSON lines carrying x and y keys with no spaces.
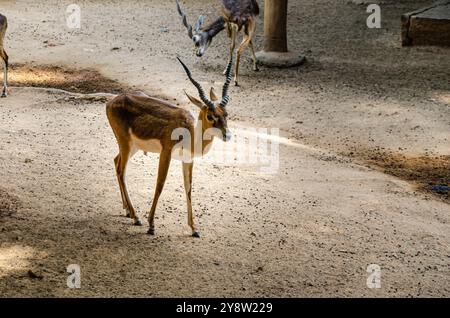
{"x":201,"y":144}
{"x":215,"y":27}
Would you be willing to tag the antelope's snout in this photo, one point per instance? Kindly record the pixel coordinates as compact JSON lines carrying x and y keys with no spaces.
{"x":200,"y":52}
{"x":227,"y":135}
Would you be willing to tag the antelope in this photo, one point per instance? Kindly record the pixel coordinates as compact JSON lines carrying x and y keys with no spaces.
{"x":3,"y":55}
{"x":237,"y":16}
{"x":141,"y":122}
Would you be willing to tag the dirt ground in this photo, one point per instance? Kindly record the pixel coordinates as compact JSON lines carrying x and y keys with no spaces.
{"x":365,"y":133}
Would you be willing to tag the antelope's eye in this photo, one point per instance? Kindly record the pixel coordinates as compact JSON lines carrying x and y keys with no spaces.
{"x":210,"y":118}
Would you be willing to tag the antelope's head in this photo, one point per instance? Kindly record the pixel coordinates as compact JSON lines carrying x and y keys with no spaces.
{"x":212,"y":113}
{"x":202,"y":39}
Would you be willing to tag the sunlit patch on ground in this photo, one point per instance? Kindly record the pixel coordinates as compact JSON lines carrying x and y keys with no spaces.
{"x":15,"y":259}
{"x":445,"y":98}
{"x":69,"y":79}
{"x":441,"y":96}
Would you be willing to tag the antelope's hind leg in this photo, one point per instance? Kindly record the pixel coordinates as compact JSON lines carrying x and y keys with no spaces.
{"x":249,"y":31}
{"x":117,"y":160}
{"x":4,"y":56}
{"x":121,"y":165}
{"x":255,"y":60}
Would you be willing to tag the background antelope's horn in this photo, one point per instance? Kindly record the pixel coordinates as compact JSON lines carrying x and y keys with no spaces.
{"x":184,"y":17}
{"x":226,"y":86}
{"x":201,"y":92}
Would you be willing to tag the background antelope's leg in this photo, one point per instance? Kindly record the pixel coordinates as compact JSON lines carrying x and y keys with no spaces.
{"x":187,"y":175}
{"x":233,"y":35}
{"x":164,"y":163}
{"x":255,"y":60}
{"x":121,"y":167}
{"x":248,"y":34}
{"x":241,"y":49}
{"x":250,"y":31}
{"x":5,"y":76}
{"x":229,"y":29}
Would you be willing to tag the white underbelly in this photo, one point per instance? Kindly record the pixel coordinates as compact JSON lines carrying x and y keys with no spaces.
{"x":149,"y":145}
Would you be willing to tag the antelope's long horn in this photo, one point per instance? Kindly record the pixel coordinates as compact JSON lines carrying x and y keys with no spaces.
{"x":201,"y":92}
{"x":184,"y":17}
{"x":226,"y":86}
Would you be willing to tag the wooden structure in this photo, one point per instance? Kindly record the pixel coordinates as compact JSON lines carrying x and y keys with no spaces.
{"x":427,"y":26}
{"x":275,"y":51}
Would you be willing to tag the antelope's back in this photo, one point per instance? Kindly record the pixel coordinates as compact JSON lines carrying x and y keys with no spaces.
{"x":3,"y":22}
{"x":239,"y":11}
{"x":141,"y":112}
{"x":3,"y":26}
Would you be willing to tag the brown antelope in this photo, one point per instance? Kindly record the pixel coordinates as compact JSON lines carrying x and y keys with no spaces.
{"x":3,"y":55}
{"x":141,"y":122}
{"x":237,"y":15}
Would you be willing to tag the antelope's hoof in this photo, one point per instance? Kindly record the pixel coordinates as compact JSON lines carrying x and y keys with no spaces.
{"x":236,"y":84}
{"x":196,"y":234}
{"x":129,"y":215}
{"x":137,"y":222}
{"x":256,"y":69}
{"x":3,"y":95}
{"x":151,"y":231}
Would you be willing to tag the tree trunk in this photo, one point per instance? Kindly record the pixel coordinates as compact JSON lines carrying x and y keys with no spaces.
{"x":275,"y":53}
{"x":275,"y":25}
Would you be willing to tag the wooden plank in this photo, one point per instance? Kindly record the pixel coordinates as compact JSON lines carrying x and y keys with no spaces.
{"x":427,"y":26}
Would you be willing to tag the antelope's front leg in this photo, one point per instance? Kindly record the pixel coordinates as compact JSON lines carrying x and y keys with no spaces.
{"x":164,"y":163}
{"x":187,"y":176}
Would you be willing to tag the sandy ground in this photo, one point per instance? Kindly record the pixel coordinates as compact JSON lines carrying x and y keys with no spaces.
{"x":309,"y":230}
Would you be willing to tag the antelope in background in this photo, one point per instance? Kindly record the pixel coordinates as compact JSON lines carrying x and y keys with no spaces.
{"x":237,"y":16}
{"x":3,"y":55}
{"x":141,"y":122}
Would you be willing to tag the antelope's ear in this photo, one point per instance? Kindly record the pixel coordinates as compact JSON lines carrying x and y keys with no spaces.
{"x":212,"y":95}
{"x":195,"y":101}
{"x":199,"y":24}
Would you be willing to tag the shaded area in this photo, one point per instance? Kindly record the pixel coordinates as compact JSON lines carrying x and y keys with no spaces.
{"x":9,"y":204}
{"x":430,"y":173}
{"x":74,"y":80}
